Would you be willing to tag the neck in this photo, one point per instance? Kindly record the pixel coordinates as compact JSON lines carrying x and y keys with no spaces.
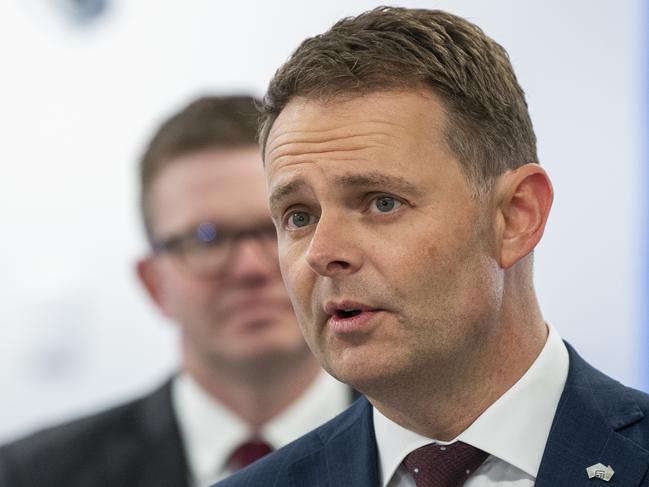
{"x":256,"y":393}
{"x":443,"y":405}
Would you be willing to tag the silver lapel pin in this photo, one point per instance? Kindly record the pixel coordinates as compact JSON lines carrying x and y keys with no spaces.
{"x":599,"y":471}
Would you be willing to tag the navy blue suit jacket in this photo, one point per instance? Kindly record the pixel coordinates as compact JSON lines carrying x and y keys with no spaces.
{"x":598,"y":420}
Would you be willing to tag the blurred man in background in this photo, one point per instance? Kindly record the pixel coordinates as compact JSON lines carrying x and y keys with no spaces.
{"x":248,"y":383}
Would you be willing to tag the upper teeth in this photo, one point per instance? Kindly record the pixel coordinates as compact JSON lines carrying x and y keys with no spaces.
{"x":349,"y":310}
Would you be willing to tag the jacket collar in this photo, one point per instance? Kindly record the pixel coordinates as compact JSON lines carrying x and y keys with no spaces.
{"x":591,"y":411}
{"x":347,"y":454}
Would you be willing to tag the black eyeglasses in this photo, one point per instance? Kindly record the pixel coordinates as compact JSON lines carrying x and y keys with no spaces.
{"x":205,"y":250}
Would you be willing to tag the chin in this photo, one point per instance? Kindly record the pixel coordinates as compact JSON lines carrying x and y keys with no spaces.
{"x":352,"y":374}
{"x":365,"y":383}
{"x":363,"y":372}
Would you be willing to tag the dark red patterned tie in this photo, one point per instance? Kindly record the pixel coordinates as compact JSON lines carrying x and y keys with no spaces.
{"x":248,"y":452}
{"x":443,"y":465}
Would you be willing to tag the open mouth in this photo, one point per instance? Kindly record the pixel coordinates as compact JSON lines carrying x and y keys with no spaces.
{"x":347,"y":313}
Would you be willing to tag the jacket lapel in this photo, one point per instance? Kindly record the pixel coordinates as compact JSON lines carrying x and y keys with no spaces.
{"x":162,"y":462}
{"x":591,"y":410}
{"x":143,"y":448}
{"x":347,"y":456}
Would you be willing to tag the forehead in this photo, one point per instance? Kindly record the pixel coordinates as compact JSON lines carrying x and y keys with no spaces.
{"x":215,"y":184}
{"x":349,"y":118}
{"x":393,"y":134}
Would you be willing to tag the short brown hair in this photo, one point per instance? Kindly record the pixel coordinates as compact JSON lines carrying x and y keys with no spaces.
{"x":488,"y":126}
{"x":227,"y":122}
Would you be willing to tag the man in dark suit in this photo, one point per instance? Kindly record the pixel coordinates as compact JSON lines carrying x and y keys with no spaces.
{"x":248,"y":383}
{"x":408,"y":197}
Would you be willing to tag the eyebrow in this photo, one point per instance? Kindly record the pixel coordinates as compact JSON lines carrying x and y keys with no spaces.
{"x":285,"y":190}
{"x":366,"y":180}
{"x":378,"y":180}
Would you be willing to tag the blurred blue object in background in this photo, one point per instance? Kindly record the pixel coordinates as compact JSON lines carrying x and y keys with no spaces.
{"x":83,"y":11}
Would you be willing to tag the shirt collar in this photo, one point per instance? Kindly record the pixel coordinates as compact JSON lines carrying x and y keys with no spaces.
{"x":522,"y":416}
{"x":210,"y":431}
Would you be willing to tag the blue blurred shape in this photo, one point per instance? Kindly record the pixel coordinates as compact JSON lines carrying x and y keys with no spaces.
{"x":206,"y":232}
{"x":83,"y":11}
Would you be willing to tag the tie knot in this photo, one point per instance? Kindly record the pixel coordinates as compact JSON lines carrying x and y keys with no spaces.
{"x":248,"y":452}
{"x":443,"y":465}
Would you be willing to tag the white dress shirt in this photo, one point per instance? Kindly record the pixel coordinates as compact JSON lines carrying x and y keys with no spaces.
{"x":210,"y":432}
{"x":513,"y":430}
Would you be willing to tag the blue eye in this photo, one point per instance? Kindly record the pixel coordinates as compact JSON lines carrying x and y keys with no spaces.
{"x":385,"y":204}
{"x":299,"y":219}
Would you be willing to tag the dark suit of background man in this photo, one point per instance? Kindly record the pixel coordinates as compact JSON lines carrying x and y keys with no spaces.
{"x":408,"y":196}
{"x":246,"y":373}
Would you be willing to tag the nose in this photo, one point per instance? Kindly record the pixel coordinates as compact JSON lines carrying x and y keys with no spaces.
{"x":334,"y":249}
{"x":250,"y":262}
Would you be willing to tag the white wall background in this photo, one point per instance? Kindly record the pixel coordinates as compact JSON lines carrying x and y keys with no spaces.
{"x":77,"y":104}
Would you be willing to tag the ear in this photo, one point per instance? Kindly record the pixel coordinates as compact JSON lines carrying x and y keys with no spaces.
{"x":524,"y":197}
{"x":149,"y":275}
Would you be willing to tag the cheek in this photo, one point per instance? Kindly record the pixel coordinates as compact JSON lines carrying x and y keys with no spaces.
{"x":299,"y":290}
{"x":294,"y":273}
{"x":434,"y":261}
{"x":301,"y":312}
{"x":460,"y":274}
{"x":185,"y":297}
{"x":299,"y":283}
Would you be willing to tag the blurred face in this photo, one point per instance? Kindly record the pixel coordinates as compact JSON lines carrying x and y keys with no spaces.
{"x":386,"y":255}
{"x":240,"y":315}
